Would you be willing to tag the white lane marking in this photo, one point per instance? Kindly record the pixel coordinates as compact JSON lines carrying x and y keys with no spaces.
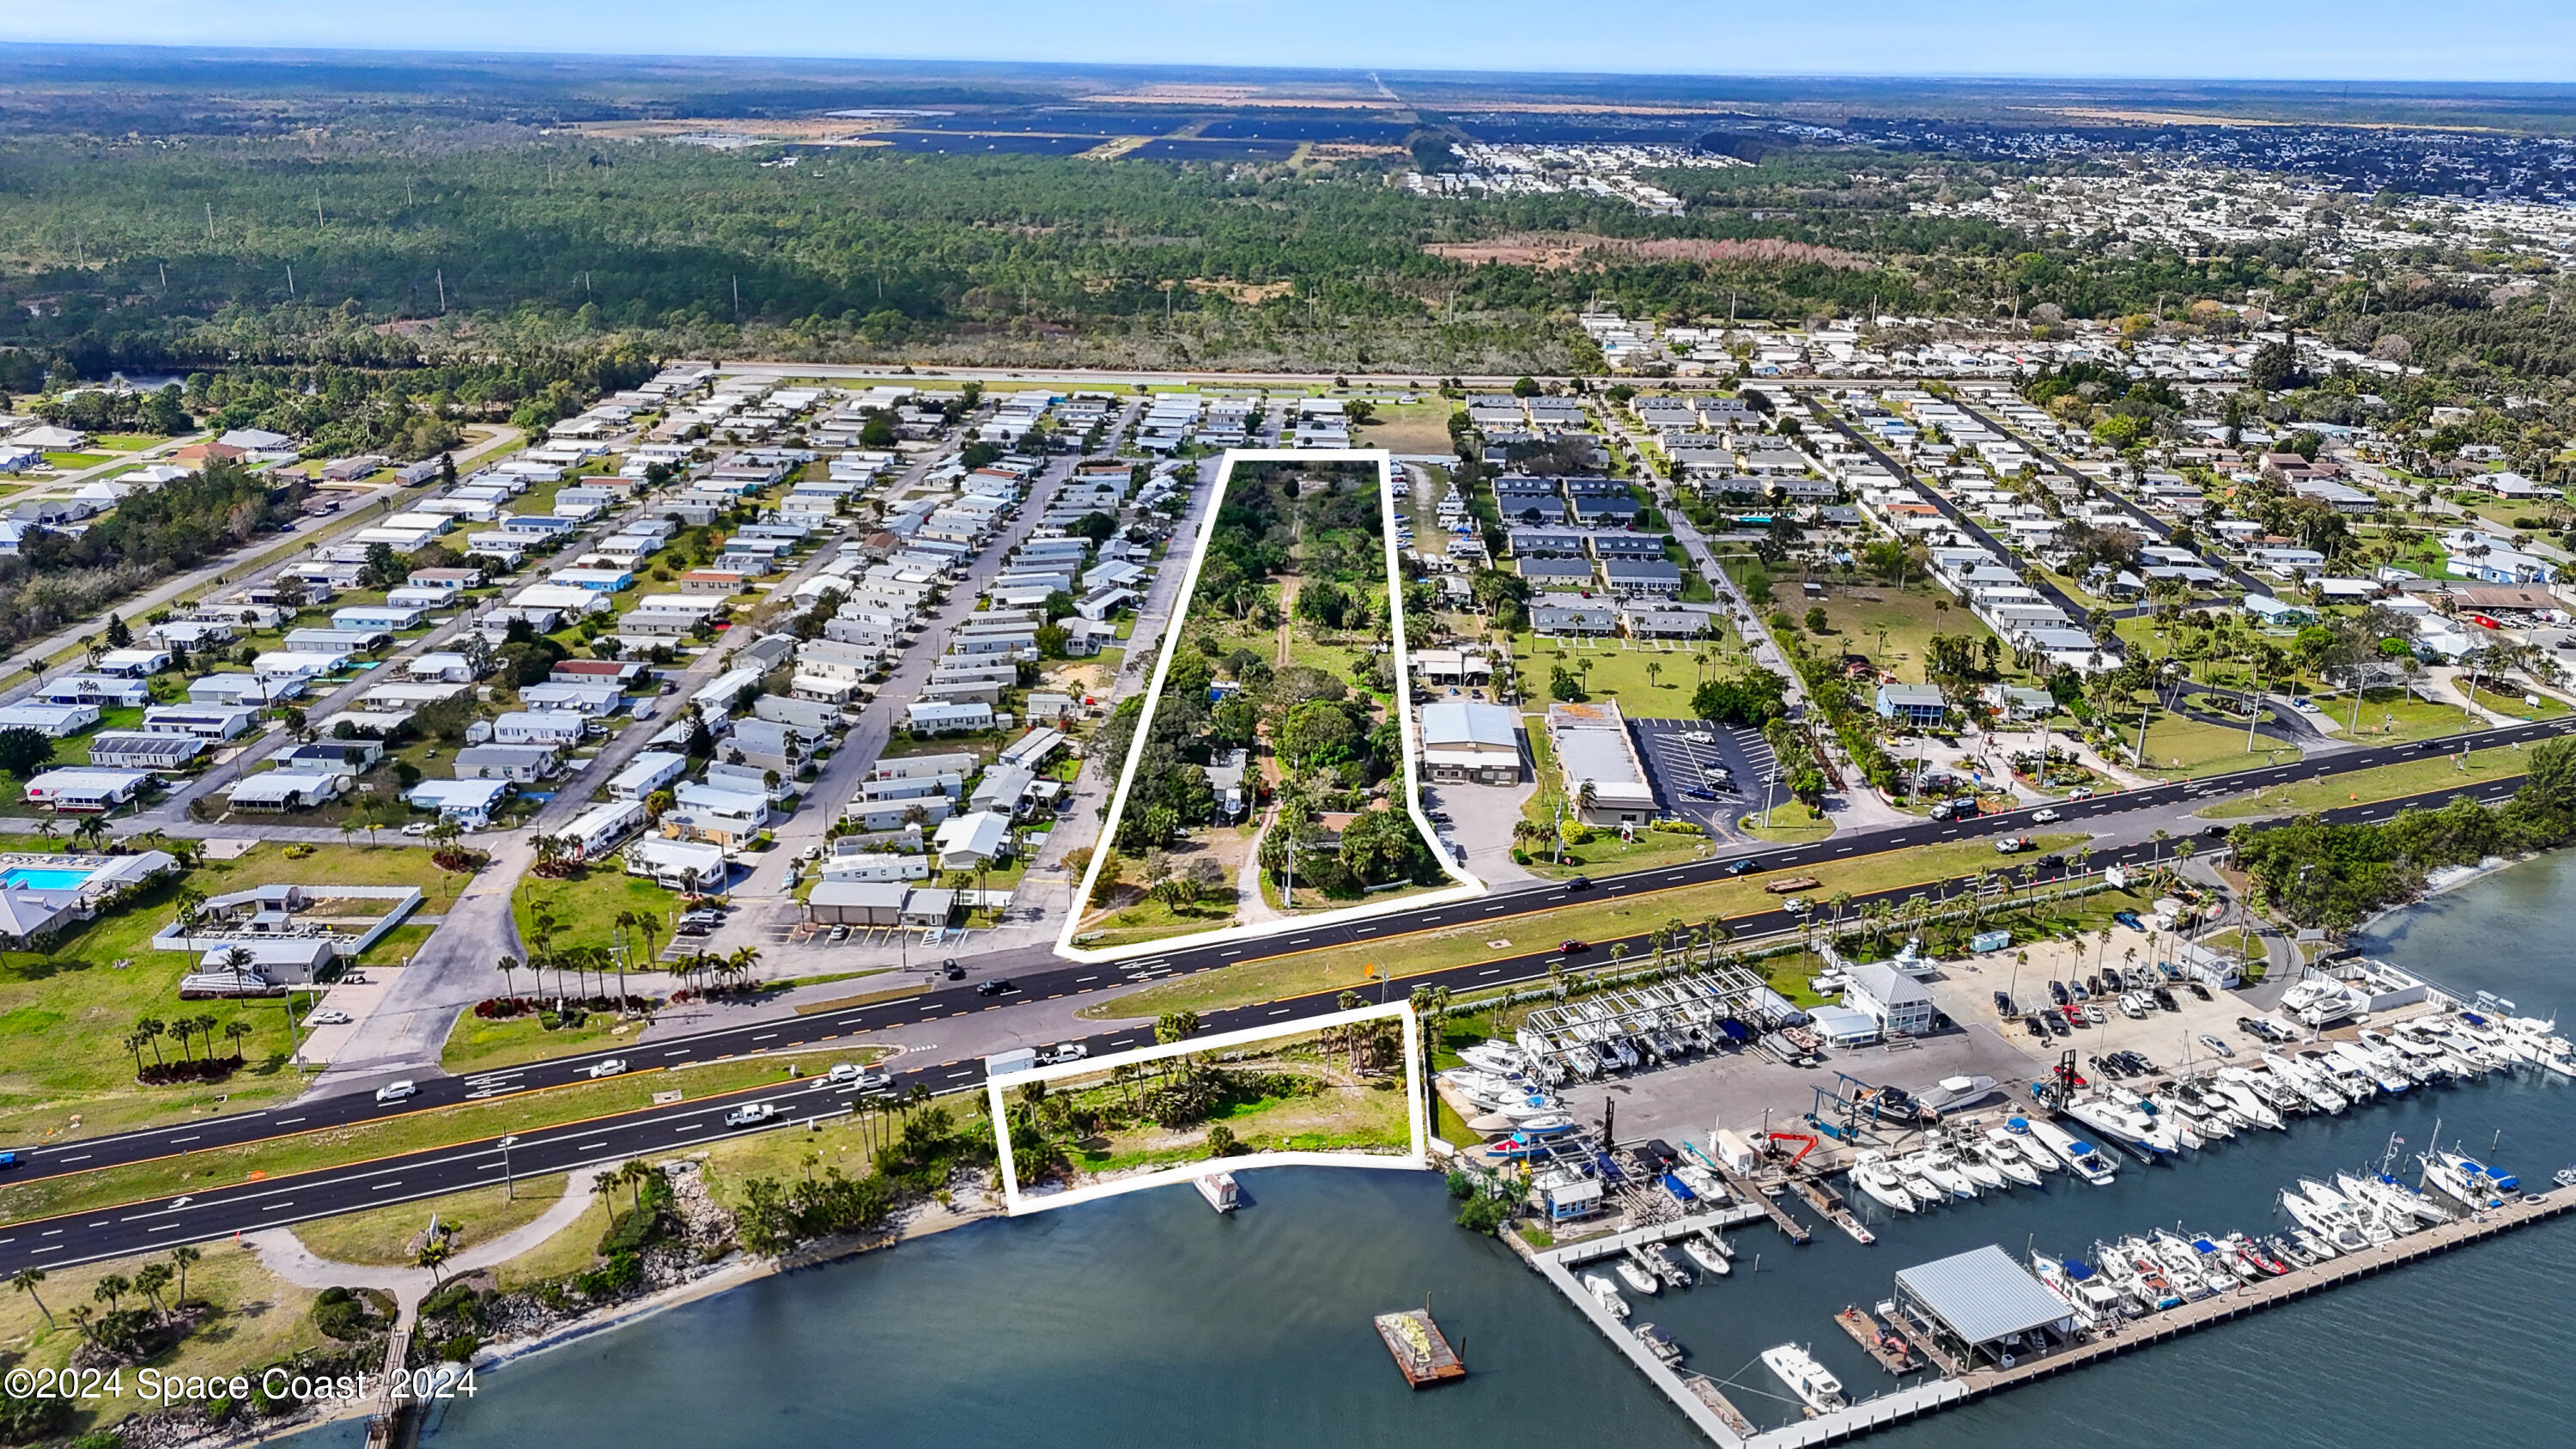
{"x":380,"y":1187}
{"x":585,"y":1147}
{"x":773,"y":1036}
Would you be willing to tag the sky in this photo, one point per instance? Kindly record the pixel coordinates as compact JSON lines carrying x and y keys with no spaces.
{"x":2503,"y":40}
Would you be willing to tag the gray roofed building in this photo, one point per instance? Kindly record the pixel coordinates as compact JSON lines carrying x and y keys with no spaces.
{"x":1572,"y":616}
{"x":1627,"y":545}
{"x":1556,"y":572}
{"x":1649,"y":622}
{"x":1641,"y":576}
{"x":1979,"y":1300}
{"x":1896,"y":1001}
{"x":1545,"y":543}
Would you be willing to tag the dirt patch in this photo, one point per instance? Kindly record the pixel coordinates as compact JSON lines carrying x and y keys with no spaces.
{"x":1558,"y":251}
{"x":1250,"y":294}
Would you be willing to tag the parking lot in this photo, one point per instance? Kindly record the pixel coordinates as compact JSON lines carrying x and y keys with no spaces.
{"x":1965,"y":992}
{"x":1679,"y":755}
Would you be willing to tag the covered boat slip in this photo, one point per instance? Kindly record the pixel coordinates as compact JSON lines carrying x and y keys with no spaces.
{"x":1982,"y":1302}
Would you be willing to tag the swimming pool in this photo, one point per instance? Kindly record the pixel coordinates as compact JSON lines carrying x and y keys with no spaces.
{"x":36,"y":878}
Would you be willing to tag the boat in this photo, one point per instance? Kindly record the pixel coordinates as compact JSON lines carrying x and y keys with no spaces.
{"x":1636,"y":1277}
{"x":1494,"y":1057}
{"x":2083,"y":1157}
{"x":1709,"y":1259}
{"x":1220,"y":1191}
{"x":1546,"y":1124}
{"x":1814,"y":1385}
{"x":1942,"y":1170}
{"x":1659,"y":1342}
{"x":1953,"y":1093}
{"x":1674,"y":1271}
{"x":2256,"y":1253}
{"x":2156,"y":1278}
{"x":1965,"y":1157}
{"x":2248,"y":1106}
{"x":2318,"y":1249}
{"x":2186,"y":1263}
{"x":1925,"y":1191}
{"x":1606,"y":1293}
{"x":2041,"y":1162}
{"x":2367,"y":1196}
{"x":2129,"y":1128}
{"x":2308,"y":1084}
{"x":2004,"y":1158}
{"x":2288,"y":1249}
{"x":1884,"y":1184}
{"x":2080,"y":1288}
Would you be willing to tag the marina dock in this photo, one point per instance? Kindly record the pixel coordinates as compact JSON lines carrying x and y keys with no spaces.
{"x":1755,"y":1193}
{"x":1705,"y":1405}
{"x":1422,"y":1353}
{"x":1864,"y":1328}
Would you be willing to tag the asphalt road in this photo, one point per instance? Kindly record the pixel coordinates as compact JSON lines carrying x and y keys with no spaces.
{"x":86,"y":1236}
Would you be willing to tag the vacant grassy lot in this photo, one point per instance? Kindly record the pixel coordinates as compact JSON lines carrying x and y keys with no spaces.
{"x":1632,"y":913}
{"x":586,"y":904}
{"x":2515,"y":703}
{"x":1787,"y":822}
{"x":1894,"y":627}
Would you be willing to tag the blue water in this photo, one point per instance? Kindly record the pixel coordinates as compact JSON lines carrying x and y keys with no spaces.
{"x":43,"y":878}
{"x":1148,"y":1321}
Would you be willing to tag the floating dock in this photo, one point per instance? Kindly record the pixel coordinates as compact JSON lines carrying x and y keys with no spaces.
{"x":1422,"y":1353}
{"x":1865,"y":1330}
{"x":1763,"y":1198}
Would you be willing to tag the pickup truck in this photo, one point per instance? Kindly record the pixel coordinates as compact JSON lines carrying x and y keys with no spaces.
{"x":2014,"y":844}
{"x":750,"y":1115}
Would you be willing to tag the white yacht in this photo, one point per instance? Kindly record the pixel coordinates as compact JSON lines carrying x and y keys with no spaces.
{"x":2004,"y":1158}
{"x":1815,"y":1387}
{"x":1606,"y":1293}
{"x":1709,"y":1259}
{"x":1965,"y":1157}
{"x":2003,"y":1140}
{"x":1884,"y":1184}
{"x":1637,"y":1278}
{"x":2248,"y":1104}
{"x":1939,"y":1168}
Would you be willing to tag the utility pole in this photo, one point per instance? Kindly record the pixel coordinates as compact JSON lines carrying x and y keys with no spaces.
{"x":442,"y":291}
{"x":290,"y":280}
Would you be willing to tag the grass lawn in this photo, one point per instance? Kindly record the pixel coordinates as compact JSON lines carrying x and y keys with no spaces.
{"x":475,"y":1044}
{"x":1632,"y":913}
{"x":127,"y":442}
{"x":1791,"y":823}
{"x":1893,"y":627}
{"x":2179,"y":746}
{"x":2386,"y":782}
{"x":2514,"y":704}
{"x":2389,"y":715}
{"x":383,"y":1236}
{"x":587,"y":903}
{"x":1421,"y":427}
{"x":1648,"y":683}
{"x":258,"y":1318}
{"x":1606,"y":854}
{"x":475,"y":1122}
{"x":1153,"y":920}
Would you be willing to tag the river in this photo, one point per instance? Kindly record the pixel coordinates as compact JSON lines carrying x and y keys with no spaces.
{"x":1147,"y":1320}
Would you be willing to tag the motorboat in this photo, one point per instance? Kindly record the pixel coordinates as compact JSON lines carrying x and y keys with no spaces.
{"x":2401,"y":1198}
{"x":1925,"y":1191}
{"x":1674,"y":1271}
{"x":2464,"y":1180}
{"x":2160,"y":1111}
{"x":1942,"y":1170}
{"x":1953,"y":1093}
{"x":2257,"y":1253}
{"x":2248,"y":1105}
{"x":2290,"y":1250}
{"x":2186,"y":1107}
{"x":1709,"y":1259}
{"x":1545,"y":1124}
{"x":2274,"y":1092}
{"x":2125,"y":1125}
{"x":2396,"y":1209}
{"x":2005,"y":1141}
{"x":2225,"y":1256}
{"x":2185,"y":1264}
{"x":2389,"y":1076}
{"x":1494,"y":1057}
{"x":2087,"y":1161}
{"x":1637,"y":1278}
{"x":1814,"y":1385}
{"x":2159,"y":1276}
{"x":1659,"y":1342}
{"x":2309,"y":1084}
{"x":2004,"y":1158}
{"x":2348,"y":1213}
{"x":1965,"y":1157}
{"x":2080,"y":1288}
{"x":2318,"y":1247}
{"x":1606,"y":1293}
{"x":1871,"y":1173}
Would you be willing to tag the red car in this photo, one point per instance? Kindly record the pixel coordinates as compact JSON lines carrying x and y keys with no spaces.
{"x":1574,"y":948}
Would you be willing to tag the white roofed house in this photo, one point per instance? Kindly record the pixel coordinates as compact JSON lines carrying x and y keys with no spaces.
{"x":92,"y":791}
{"x":469,"y":803}
{"x":278,"y":791}
{"x":519,"y":764}
{"x":1470,"y":740}
{"x":557,"y":727}
{"x":719,"y":816}
{"x":964,"y":842}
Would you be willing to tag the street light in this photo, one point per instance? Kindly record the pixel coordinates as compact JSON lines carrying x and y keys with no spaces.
{"x":508,"y":1186}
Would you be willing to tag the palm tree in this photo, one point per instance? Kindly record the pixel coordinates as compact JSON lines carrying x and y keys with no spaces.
{"x":506,"y":966}
{"x":182,"y":1257}
{"x":82,"y":1317}
{"x":149,"y":1280}
{"x":150,"y":1029}
{"x":432,"y":1255}
{"x":25,"y":1281}
{"x":235,"y":1031}
{"x":111,"y":1289}
{"x":746,"y":959}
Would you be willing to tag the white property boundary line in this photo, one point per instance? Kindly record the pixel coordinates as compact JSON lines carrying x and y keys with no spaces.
{"x":1468,"y":887}
{"x":1416,"y":1157}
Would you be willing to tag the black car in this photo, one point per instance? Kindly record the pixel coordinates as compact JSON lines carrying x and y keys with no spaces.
{"x":998,"y":986}
{"x":2165,"y":998}
{"x":2057,"y":992}
{"x":1738,"y":866}
{"x":2057,"y":1023}
{"x":1579,"y":883}
{"x":2003,"y":1003}
{"x":2037,"y":1026}
{"x":2196,"y":989}
{"x":2093,"y":983}
{"x":952,"y":970}
{"x":2051,"y":862}
{"x":2216,"y":832}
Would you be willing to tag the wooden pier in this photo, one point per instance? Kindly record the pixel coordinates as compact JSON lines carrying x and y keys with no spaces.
{"x":1705,"y":1389}
{"x":1422,"y":1354}
{"x":1754,"y":1193}
{"x":1865,"y":1330}
{"x":1821,"y":1196}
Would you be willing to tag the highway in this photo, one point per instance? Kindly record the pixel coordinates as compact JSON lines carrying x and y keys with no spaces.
{"x":86,"y":1236}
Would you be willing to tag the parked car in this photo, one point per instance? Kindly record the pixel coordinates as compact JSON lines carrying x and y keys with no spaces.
{"x":950,"y":969}
{"x":2129,"y":919}
{"x":750,"y":1115}
{"x":328,"y":1016}
{"x":837,"y":935}
{"x":1698,"y":737}
{"x":608,"y":1068}
{"x":2214,"y":1044}
{"x":2003,"y":1003}
{"x":396,"y":1091}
